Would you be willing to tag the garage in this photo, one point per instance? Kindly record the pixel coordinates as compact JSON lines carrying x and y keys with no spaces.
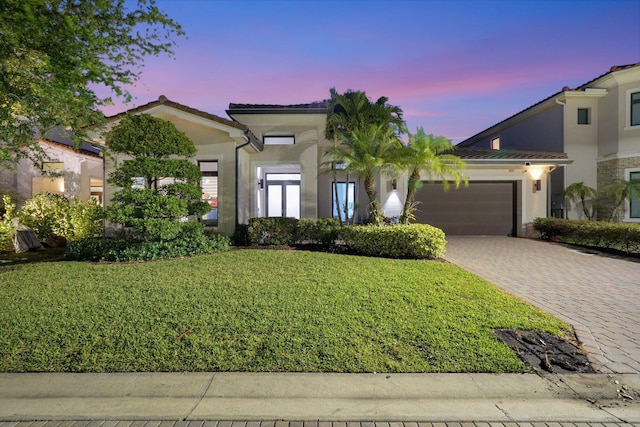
{"x":482,"y":208}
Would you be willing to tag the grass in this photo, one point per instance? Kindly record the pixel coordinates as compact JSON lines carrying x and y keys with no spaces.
{"x":258,"y":310}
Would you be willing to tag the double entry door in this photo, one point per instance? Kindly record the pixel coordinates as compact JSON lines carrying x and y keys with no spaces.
{"x":283,"y":194}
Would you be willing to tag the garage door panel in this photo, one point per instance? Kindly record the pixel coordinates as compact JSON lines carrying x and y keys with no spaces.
{"x":481,"y":209}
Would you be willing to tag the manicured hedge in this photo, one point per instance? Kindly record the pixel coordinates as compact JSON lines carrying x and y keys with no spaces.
{"x":272,"y":231}
{"x":396,"y":241}
{"x":622,"y":237}
{"x":391,"y":241}
{"x":322,"y":231}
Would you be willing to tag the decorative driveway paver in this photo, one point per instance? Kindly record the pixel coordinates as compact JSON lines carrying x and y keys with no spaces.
{"x":598,"y":295}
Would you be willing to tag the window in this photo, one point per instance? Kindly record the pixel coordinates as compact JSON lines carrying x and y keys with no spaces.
{"x":583,"y":116}
{"x":209,"y":184}
{"x":634,"y":199}
{"x":635,"y":109}
{"x":279,"y":140}
{"x":345,"y":195}
{"x":495,"y":143}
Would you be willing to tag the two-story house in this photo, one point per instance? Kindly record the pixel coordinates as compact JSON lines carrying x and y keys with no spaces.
{"x":597,"y":124}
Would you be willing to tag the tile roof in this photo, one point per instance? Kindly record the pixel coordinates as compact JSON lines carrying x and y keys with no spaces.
{"x":64,"y":138}
{"x":318,"y":107}
{"x":163,"y":100}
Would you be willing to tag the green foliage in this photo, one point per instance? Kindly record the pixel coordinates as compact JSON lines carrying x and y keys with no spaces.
{"x":273,"y":231}
{"x":155,"y":212}
{"x":578,"y":191}
{"x":623,"y":237}
{"x":368,"y":135}
{"x":54,"y":54}
{"x":396,"y":241}
{"x":48,"y":214}
{"x":430,"y":155}
{"x":240,"y":235}
{"x":7,"y":228}
{"x":190,"y":241}
{"x":322,"y":230}
{"x":258,"y":311}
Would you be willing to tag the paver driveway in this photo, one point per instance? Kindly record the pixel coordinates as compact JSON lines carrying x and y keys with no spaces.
{"x":598,"y":295}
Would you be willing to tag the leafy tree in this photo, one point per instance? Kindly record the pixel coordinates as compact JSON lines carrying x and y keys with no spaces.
{"x":170,"y":188}
{"x":622,"y":190}
{"x":433,"y":156}
{"x":367,"y":152}
{"x":55,"y":54}
{"x":353,"y":113}
{"x":579,"y":191}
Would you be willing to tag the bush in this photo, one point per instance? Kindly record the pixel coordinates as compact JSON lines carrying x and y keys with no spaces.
{"x":621,"y":237}
{"x":191,"y":241}
{"x":396,"y":241}
{"x":6,"y":222}
{"x":322,"y":230}
{"x":52,"y":214}
{"x":240,"y":235}
{"x":272,"y":231}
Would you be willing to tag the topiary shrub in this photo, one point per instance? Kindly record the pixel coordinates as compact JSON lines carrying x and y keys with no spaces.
{"x":418,"y":241}
{"x":272,"y":231}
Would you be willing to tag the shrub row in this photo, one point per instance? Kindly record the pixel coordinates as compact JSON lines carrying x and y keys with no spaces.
{"x":191,"y":241}
{"x":622,"y":237}
{"x":288,"y":231}
{"x":394,"y":241}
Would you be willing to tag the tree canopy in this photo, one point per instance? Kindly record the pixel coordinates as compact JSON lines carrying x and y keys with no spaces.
{"x":170,"y":189}
{"x":56,"y":54}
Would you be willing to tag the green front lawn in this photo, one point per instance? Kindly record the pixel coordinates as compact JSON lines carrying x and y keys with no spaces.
{"x":258,"y":310}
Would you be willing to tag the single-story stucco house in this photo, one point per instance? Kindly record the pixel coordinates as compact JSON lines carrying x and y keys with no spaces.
{"x":267,"y":160}
{"x":66,"y":170}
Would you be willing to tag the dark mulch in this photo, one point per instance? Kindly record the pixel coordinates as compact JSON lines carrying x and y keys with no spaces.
{"x":546,"y":352}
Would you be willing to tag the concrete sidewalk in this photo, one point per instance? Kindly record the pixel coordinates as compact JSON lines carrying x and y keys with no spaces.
{"x":520,"y":398}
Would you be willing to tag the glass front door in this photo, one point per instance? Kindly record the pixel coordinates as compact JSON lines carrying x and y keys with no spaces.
{"x":283,"y":194}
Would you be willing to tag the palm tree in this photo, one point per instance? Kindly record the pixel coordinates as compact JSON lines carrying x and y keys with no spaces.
{"x":352,"y":112}
{"x":579,"y":191}
{"x":623,"y":190}
{"x":368,"y":152}
{"x":432,"y":156}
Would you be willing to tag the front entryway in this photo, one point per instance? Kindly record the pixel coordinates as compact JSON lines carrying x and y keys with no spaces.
{"x":283,"y":194}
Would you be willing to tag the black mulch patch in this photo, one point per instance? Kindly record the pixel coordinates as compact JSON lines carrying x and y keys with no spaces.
{"x":543,"y":351}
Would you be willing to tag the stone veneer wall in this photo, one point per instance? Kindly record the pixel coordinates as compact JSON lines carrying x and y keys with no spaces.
{"x":608,"y":172}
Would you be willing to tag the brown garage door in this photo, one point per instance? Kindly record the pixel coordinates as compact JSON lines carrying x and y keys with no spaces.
{"x":482,"y":208}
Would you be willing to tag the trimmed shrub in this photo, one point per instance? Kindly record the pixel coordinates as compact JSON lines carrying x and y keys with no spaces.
{"x":623,"y":237}
{"x":273,"y":231}
{"x":191,"y":241}
{"x":417,"y":241}
{"x":322,"y":230}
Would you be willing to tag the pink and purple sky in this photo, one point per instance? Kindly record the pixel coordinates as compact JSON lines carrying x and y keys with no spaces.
{"x":455,"y":67}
